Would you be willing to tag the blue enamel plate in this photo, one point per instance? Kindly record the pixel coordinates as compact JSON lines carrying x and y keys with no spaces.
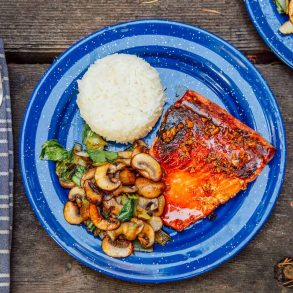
{"x":267,"y":20}
{"x":185,"y":57}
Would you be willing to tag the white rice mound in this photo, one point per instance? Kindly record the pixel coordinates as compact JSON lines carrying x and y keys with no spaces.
{"x":121,"y":97}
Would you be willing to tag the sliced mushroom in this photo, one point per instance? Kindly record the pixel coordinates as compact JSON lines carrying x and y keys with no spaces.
{"x":147,"y":166}
{"x":118,"y":248}
{"x":149,"y":204}
{"x":286,"y":28}
{"x":76,"y":192}
{"x":66,"y":184}
{"x":149,"y":188}
{"x":85,"y":210}
{"x":112,"y":206}
{"x":161,"y":205}
{"x":126,"y":162}
{"x":147,"y":236}
{"x":120,"y":166}
{"x":139,"y":147}
{"x":290,"y":11}
{"x":156,"y":223}
{"x":88,"y":175}
{"x":71,"y":214}
{"x":92,"y":192}
{"x":106,"y":179}
{"x":124,"y":189}
{"x":125,"y":155}
{"x":100,"y":222}
{"x":127,"y":177}
{"x":130,"y":230}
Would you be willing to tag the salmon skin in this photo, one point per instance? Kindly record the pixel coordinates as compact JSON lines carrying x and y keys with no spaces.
{"x":207,"y":155}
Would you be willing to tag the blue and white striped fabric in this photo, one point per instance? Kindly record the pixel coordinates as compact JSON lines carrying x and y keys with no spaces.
{"x":6,"y":175}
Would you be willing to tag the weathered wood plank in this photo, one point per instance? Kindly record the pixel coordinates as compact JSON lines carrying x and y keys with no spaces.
{"x":37,"y":27}
{"x":40,"y":265}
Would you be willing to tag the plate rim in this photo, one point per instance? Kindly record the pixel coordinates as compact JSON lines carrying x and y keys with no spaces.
{"x":64,"y":246}
{"x":261,"y":32}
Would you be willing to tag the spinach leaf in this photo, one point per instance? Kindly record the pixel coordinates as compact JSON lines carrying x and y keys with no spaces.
{"x":53,"y":151}
{"x":91,"y":140}
{"x":126,"y":212}
{"x":100,"y":156}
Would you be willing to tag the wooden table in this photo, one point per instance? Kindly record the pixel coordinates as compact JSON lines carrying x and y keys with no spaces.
{"x":35,"y":32}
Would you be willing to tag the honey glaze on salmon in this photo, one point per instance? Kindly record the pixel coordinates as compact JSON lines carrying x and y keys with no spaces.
{"x":208,"y":156}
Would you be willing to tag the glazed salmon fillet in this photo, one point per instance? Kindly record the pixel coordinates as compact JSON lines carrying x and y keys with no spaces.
{"x":208,"y":156}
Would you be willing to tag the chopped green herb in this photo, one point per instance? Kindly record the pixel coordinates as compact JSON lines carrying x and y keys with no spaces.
{"x":126,"y":212}
{"x":53,"y":151}
{"x":100,"y":156}
{"x":91,"y":140}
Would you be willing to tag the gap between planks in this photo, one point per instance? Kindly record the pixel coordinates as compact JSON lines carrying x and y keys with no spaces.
{"x":265,"y":57}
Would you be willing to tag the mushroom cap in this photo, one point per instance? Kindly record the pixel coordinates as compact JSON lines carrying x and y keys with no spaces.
{"x":85,"y":210}
{"x":104,"y":180}
{"x":127,"y":177}
{"x":92,"y":192}
{"x":100,"y":222}
{"x":156,"y":223}
{"x":88,"y":175}
{"x":118,"y":248}
{"x":71,"y":213}
{"x":149,"y":188}
{"x":147,"y":166}
{"x":139,"y":147}
{"x":74,"y":192}
{"x":148,"y":203}
{"x":125,"y":154}
{"x":130,"y":230}
{"x":112,"y":205}
{"x":161,"y":206}
{"x":66,"y":184}
{"x":124,"y":189}
{"x":147,"y":236}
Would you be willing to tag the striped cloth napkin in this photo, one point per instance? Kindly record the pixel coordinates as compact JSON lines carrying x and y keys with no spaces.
{"x":6,"y":175}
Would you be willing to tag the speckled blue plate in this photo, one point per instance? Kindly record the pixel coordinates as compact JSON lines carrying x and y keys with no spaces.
{"x":186,"y":57}
{"x":267,"y":20}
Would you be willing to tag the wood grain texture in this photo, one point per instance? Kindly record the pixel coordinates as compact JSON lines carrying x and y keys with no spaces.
{"x":40,"y":265}
{"x":45,"y":28}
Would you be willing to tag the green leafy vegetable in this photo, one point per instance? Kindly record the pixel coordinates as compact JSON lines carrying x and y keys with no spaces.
{"x":92,"y":140}
{"x":138,"y":247}
{"x":90,"y":226}
{"x":124,"y":198}
{"x":132,"y":195}
{"x":281,"y":6}
{"x":78,"y":173}
{"x":53,"y":151}
{"x":126,"y":212}
{"x":65,"y":170}
{"x":162,"y":237}
{"x":100,"y":156}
